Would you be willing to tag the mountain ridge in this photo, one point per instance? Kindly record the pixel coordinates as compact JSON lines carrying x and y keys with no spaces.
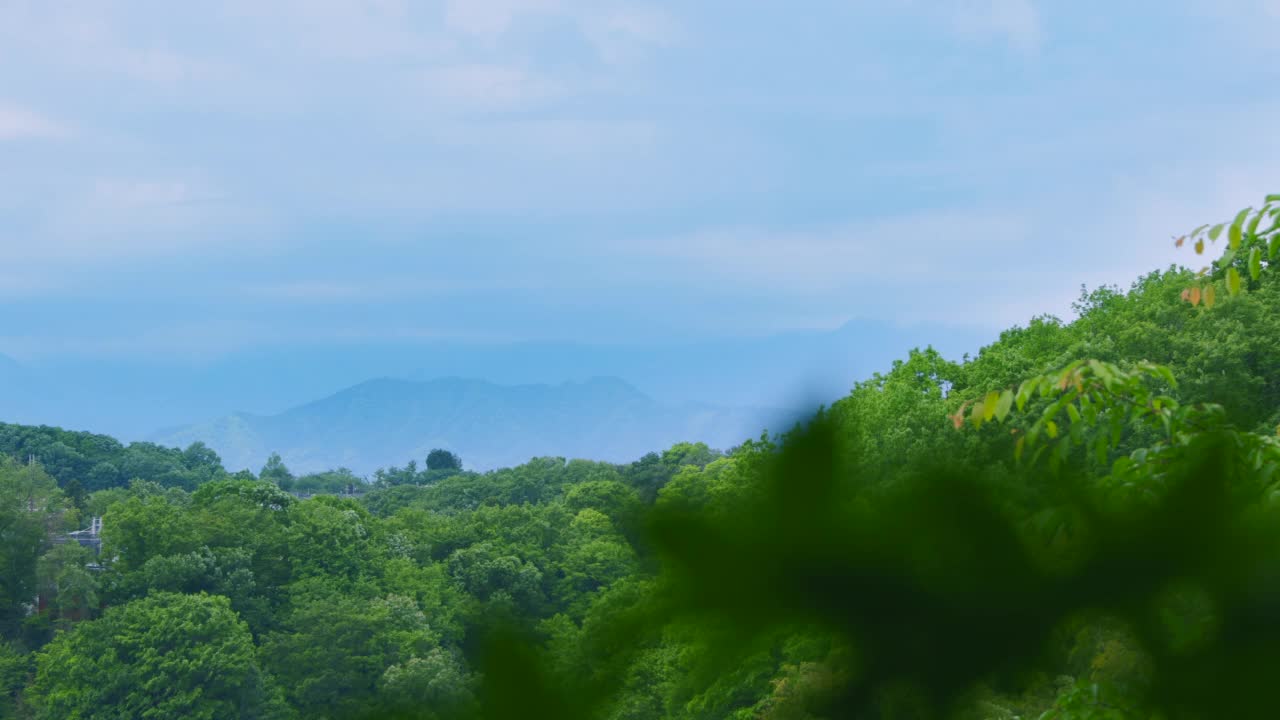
{"x":388,"y":420}
{"x":129,"y":397}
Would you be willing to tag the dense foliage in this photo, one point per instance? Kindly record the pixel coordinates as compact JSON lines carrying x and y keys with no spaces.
{"x":1078,"y":523}
{"x":84,"y":462}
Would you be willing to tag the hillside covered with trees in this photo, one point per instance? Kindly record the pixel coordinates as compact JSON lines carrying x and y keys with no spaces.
{"x":1079,"y":522}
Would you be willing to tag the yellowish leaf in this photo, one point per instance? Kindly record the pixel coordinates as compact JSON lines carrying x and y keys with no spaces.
{"x":1233,"y":281}
{"x":978,"y":414}
{"x":1003,"y":404}
{"x":989,"y":405}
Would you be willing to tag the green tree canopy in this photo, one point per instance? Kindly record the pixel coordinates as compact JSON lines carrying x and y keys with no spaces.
{"x":164,"y":656}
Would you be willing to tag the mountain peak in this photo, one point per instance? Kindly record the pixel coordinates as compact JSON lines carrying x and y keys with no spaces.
{"x":386,"y":421}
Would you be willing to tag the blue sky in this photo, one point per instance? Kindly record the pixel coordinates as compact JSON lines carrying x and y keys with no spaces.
{"x":202,"y":178}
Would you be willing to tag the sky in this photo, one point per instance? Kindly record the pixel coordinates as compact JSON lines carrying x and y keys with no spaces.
{"x":196,"y":179}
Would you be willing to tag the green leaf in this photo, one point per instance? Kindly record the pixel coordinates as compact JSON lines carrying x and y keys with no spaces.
{"x":989,"y":405}
{"x":1053,"y":409}
{"x":1035,"y":456}
{"x":977,"y":414}
{"x":1003,"y":405}
{"x":1237,"y":224}
{"x":1117,"y":427}
{"x":1051,"y":429}
{"x":1252,"y":227}
{"x":1272,"y":198}
{"x":1024,"y":394}
{"x":1273,"y":251}
{"x":1076,"y":433}
{"x":1233,"y":281}
{"x":1215,"y":231}
{"x":1255,"y":263}
{"x":1017,"y":448}
{"x":1059,"y":454}
{"x":1227,"y":258}
{"x":1210,"y":295}
{"x":1090,"y":410}
{"x":1099,"y":369}
{"x":1073,"y":413}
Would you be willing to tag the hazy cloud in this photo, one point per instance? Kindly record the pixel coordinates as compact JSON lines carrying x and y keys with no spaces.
{"x":573,"y":169}
{"x":488,"y":87}
{"x":1018,"y":22}
{"x":17,"y":123}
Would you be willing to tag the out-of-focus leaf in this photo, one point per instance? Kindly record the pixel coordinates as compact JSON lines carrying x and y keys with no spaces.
{"x":1004,"y":404}
{"x":989,"y":405}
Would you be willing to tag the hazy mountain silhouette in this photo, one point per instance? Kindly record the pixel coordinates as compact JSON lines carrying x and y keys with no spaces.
{"x":387,"y":421}
{"x":129,"y":397}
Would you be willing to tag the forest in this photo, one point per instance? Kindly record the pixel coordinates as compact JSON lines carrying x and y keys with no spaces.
{"x":1081,"y":522}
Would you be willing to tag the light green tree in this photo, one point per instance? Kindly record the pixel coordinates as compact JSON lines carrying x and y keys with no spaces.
{"x":165,"y":656}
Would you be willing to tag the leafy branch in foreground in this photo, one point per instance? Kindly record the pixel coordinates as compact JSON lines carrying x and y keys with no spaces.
{"x":1253,"y":245}
{"x":1087,"y":394}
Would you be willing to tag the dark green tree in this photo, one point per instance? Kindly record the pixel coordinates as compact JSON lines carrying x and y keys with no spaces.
{"x":443,"y":460}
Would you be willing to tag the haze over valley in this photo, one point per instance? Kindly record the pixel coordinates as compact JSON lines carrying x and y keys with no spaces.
{"x":368,"y":407}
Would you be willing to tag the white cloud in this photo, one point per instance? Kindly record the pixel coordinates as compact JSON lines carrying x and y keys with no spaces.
{"x":910,"y":249}
{"x":95,"y":38}
{"x":1246,"y":24}
{"x":488,"y":20}
{"x":17,"y":123}
{"x":1018,"y":22}
{"x":120,"y":219}
{"x":594,"y":142}
{"x":625,"y":33}
{"x":131,"y":195}
{"x":488,"y":86}
{"x":617,"y":31}
{"x":347,"y":30}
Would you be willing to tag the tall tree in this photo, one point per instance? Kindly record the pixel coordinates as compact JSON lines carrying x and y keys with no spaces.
{"x":31,"y":509}
{"x":276,"y":471}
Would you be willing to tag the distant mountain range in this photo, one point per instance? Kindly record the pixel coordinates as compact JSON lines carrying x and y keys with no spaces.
{"x":387,"y":421}
{"x":130,"y":395}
